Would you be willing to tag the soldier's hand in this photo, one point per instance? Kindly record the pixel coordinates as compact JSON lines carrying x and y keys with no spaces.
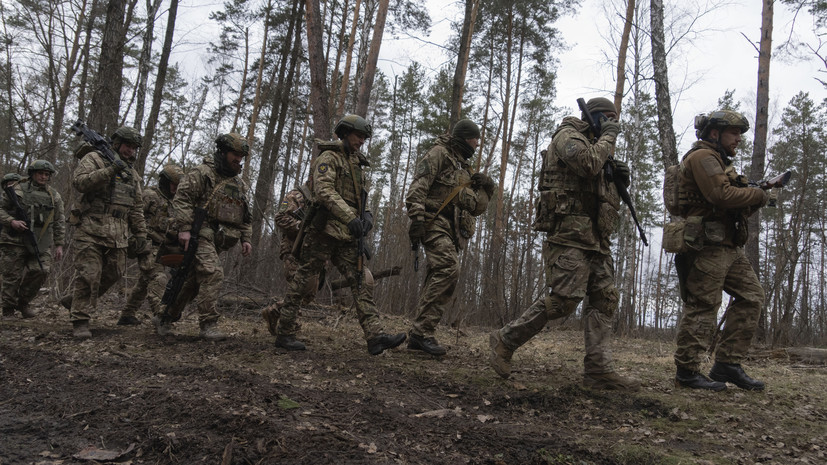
{"x":119,"y":165}
{"x":141,"y":246}
{"x":416,"y":232}
{"x":621,"y":172}
{"x":246,"y":249}
{"x":184,"y":239}
{"x":609,"y":129}
{"x":19,"y":225}
{"x":484,"y":182}
{"x":367,"y":221}
{"x":355,"y":228}
{"x":59,"y":253}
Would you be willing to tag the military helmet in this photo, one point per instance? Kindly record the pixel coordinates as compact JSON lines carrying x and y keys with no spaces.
{"x":601,"y":104}
{"x":172,"y":173}
{"x":10,"y":177}
{"x":233,"y":142}
{"x":127,"y":134}
{"x":466,"y":129}
{"x":720,"y":119}
{"x":350,"y":123}
{"x":41,"y":165}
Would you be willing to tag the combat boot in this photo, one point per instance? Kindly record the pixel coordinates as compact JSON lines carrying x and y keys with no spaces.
{"x":610,"y":382}
{"x":271,"y":316}
{"x":210,"y":332}
{"x":162,"y":328}
{"x":66,"y":302}
{"x":289,"y":343}
{"x":695,"y":380}
{"x":383,"y":342}
{"x":499,"y":355}
{"x":425,"y":344}
{"x":80,"y":329}
{"x":128,"y":320}
{"x":27,"y":312}
{"x":8,"y":313}
{"x":734,"y":373}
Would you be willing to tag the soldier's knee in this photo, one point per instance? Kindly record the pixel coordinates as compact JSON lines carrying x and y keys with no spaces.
{"x":605,"y":300}
{"x":558,"y":306}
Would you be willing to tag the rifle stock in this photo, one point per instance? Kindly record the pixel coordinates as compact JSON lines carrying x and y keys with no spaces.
{"x":100,"y":143}
{"x":607,"y":167}
{"x":179,"y":275}
{"x":20,"y":214}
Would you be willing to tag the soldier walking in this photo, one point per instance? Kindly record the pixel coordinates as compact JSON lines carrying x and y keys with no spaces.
{"x":578,"y":211}
{"x":24,"y":267}
{"x":443,"y":200}
{"x":333,"y":235}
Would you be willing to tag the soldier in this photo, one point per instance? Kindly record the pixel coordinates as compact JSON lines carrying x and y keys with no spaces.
{"x":713,"y":201}
{"x":215,"y":186}
{"x":22,"y":273}
{"x":157,"y":212}
{"x":443,"y":199}
{"x":333,"y":233}
{"x":111,"y":207}
{"x":578,"y":211}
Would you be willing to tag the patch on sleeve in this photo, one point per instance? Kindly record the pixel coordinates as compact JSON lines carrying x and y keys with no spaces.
{"x":284,"y":203}
{"x":323,"y":168}
{"x":423,"y":168}
{"x":572,"y":148}
{"x":711,"y":166}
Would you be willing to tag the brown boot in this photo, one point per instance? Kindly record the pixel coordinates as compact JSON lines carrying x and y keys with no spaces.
{"x":27,"y":312}
{"x":271,"y":315}
{"x":610,"y":382}
{"x":500,"y":355}
{"x":80,"y":329}
{"x":210,"y":332}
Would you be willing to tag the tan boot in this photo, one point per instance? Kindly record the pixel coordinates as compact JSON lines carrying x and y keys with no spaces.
{"x":162,"y":328}
{"x":80,"y":329}
{"x":210,"y":332}
{"x":610,"y":382}
{"x":271,"y":315}
{"x":500,"y":355}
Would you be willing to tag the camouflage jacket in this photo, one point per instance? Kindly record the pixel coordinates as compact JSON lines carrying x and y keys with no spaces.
{"x":224,"y":198}
{"x":112,"y":204}
{"x":44,"y":206}
{"x":287,"y":220}
{"x":708,"y":189}
{"x":157,"y":212}
{"x":338,"y":180}
{"x":582,"y":204}
{"x":441,"y":174}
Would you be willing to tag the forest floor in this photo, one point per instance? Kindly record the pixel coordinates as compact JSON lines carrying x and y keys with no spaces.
{"x":131,"y":397}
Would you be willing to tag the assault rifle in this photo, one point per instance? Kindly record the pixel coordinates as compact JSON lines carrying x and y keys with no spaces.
{"x":20,"y":214}
{"x":179,"y":275}
{"x":362,"y":252}
{"x":100,"y":143}
{"x":779,"y":181}
{"x":607,"y":168}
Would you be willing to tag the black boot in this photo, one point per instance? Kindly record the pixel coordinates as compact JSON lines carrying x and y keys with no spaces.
{"x":383,"y":342}
{"x":733,"y":373}
{"x":66,"y":302}
{"x":695,"y":380}
{"x":128,"y":320}
{"x":425,"y":344}
{"x":289,"y":343}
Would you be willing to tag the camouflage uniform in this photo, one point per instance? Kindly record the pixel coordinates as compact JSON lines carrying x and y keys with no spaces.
{"x":337,"y":183}
{"x":289,"y":225}
{"x":442,"y":173}
{"x":152,"y":278}
{"x":578,"y":210}
{"x":111,"y":208}
{"x":720,"y":264}
{"x":22,"y":276}
{"x":228,"y":222}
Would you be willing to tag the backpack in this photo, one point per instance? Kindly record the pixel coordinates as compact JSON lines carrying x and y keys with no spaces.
{"x":671,"y":190}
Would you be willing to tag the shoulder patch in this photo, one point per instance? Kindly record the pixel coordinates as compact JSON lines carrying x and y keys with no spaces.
{"x":572,"y":147}
{"x":711,"y":166}
{"x":323,"y":168}
{"x":423,"y":168}
{"x":285,"y":203}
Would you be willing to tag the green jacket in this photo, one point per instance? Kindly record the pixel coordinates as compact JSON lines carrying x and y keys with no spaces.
{"x":44,"y":206}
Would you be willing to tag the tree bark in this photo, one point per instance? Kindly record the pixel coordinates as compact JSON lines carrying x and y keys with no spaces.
{"x":257,"y":97}
{"x":458,"y":88}
{"x":340,"y":107}
{"x":663,"y":101}
{"x":158,"y":93}
{"x":318,"y":72}
{"x":145,"y":62}
{"x":621,"y":55}
{"x":106,"y":96}
{"x":363,"y":99}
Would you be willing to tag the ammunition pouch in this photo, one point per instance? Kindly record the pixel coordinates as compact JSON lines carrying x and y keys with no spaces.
{"x":319,"y":217}
{"x":225,"y":238}
{"x":607,"y":219}
{"x":75,"y":216}
{"x":673,"y":237}
{"x":545,"y":218}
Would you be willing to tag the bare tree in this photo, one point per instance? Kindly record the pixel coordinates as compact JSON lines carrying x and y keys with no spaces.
{"x":663,"y":100}
{"x":318,"y":72}
{"x":363,"y":99}
{"x":457,"y":90}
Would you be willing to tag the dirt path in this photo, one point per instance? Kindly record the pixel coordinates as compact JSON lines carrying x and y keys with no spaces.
{"x":180,"y":400}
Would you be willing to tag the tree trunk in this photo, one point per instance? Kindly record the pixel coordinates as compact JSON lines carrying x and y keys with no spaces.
{"x":240,"y":102}
{"x":158,"y":93}
{"x":318,"y":72}
{"x":759,"y":148}
{"x":145,"y":62}
{"x":457,"y":90}
{"x":340,"y":107}
{"x":663,"y":101}
{"x":363,"y":99}
{"x":621,"y":55}
{"x":257,"y":97}
{"x":106,"y":96}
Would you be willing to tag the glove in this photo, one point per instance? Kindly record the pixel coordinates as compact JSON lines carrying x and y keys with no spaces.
{"x":355,"y":228}
{"x":141,"y":246}
{"x":620,"y":171}
{"x":484,"y":182}
{"x":119,"y":165}
{"x":368,"y":221}
{"x":609,"y":129}
{"x":416,"y":231}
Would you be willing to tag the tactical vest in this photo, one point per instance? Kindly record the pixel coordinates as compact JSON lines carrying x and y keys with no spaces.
{"x":452,"y":175}
{"x":226,"y":203}
{"x":158,"y":220}
{"x":345,"y":184}
{"x":562,"y":192}
{"x":116,"y":201}
{"x":40,"y":205}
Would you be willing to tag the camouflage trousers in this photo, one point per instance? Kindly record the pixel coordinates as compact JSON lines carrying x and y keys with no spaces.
{"x":150,"y":285}
{"x":317,"y":249}
{"x":98,"y":268}
{"x":711,"y":271}
{"x":22,"y":276}
{"x":571,"y":275}
{"x":291,"y":265}
{"x":440,"y":283}
{"x":202,"y":286}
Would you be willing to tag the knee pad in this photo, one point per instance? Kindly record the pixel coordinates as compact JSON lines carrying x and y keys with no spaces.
{"x":605,"y":300}
{"x":558,"y":307}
